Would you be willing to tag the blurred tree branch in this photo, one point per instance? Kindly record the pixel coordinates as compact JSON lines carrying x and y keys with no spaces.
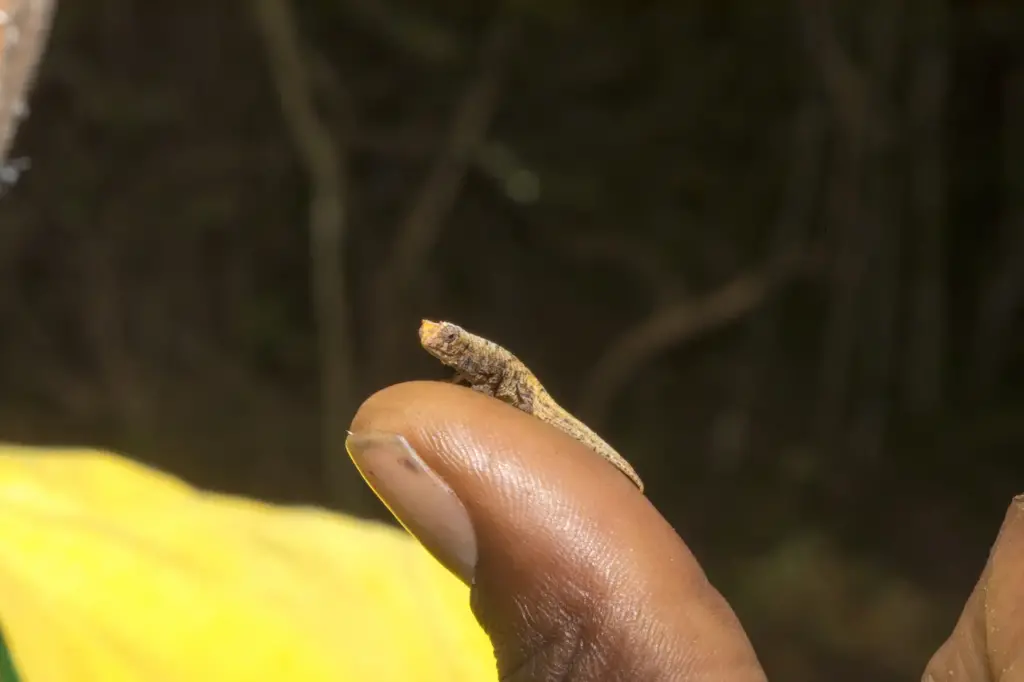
{"x":323,"y":158}
{"x":847,"y":93}
{"x":928,"y":93}
{"x":493,"y":158}
{"x":433,"y":201}
{"x":805,"y":146}
{"x":437,"y":195}
{"x":846,"y":85}
{"x":882,"y":228}
{"x":679,"y":317}
{"x":863,"y":219}
{"x":106,"y":329}
{"x":1002,"y":292}
{"x":404,"y":29}
{"x":641,"y":260}
{"x":671,"y":325}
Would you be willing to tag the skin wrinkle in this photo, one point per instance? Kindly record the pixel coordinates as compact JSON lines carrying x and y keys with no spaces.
{"x":605,"y":597}
{"x":539,"y":645}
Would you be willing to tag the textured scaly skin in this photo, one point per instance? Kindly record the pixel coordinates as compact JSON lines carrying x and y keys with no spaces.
{"x":490,"y":369}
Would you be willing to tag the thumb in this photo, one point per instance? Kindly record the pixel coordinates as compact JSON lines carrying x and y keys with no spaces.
{"x":988,"y":641}
{"x":575,"y":576}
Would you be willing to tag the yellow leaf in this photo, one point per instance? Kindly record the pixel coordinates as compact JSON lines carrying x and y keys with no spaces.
{"x":117,"y":573}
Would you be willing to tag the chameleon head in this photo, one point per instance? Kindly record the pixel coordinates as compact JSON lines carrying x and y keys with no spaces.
{"x":444,"y":340}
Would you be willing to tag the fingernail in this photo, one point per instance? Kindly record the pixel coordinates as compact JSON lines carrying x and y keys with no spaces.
{"x":420,"y":499}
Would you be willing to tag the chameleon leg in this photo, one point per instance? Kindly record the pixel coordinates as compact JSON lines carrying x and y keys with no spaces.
{"x":462,"y":380}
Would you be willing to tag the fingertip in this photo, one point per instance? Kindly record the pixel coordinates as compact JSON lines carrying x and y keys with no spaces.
{"x":574,"y":567}
{"x":988,"y":639}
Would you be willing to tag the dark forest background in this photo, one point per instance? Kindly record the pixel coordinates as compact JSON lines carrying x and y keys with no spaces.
{"x":773,"y":251}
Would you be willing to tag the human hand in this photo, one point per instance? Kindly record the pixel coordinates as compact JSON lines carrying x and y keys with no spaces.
{"x":575,"y":575}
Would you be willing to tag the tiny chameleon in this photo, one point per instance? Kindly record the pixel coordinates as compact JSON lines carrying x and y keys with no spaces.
{"x":490,"y":369}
